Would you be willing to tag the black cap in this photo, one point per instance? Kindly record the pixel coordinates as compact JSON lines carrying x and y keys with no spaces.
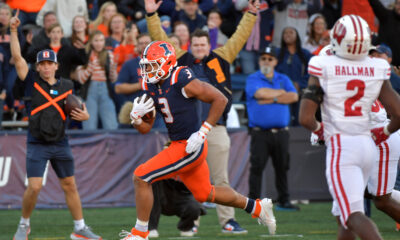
{"x":270,"y":50}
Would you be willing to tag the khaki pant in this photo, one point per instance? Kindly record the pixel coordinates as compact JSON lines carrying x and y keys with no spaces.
{"x":217,"y":159}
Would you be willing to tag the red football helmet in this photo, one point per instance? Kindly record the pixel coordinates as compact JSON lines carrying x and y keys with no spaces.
{"x":158,"y":60}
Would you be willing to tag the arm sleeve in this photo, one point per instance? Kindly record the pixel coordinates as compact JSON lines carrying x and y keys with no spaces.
{"x":113,"y":68}
{"x":157,"y":32}
{"x":233,"y":46}
{"x":379,"y":10}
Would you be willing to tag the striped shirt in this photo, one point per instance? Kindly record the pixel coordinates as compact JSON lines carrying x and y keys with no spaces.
{"x":96,"y":72}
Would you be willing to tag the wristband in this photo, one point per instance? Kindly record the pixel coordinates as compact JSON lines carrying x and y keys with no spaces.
{"x":205,"y":128}
{"x":386,"y":131}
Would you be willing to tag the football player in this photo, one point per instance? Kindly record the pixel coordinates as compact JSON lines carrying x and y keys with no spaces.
{"x":174,"y":91}
{"x":346,"y":85}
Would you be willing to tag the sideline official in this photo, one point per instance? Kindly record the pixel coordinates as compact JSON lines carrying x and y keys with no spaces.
{"x":269,"y":94}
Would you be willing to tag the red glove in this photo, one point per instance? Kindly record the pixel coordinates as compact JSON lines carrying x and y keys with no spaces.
{"x":320,"y":132}
{"x":380,"y":134}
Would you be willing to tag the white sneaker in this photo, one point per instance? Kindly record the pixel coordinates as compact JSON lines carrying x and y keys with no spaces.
{"x":153,"y":234}
{"x":266,"y":217}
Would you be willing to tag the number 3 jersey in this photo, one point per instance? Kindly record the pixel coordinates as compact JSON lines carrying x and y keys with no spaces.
{"x":179,"y":112}
{"x":350,"y":88}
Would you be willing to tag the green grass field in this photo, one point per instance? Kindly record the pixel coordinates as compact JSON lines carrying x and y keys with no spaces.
{"x":314,"y":221}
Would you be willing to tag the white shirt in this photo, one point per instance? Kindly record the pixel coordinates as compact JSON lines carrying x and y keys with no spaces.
{"x":350,"y":88}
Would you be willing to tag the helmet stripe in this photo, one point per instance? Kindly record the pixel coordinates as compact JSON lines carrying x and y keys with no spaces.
{"x":356,"y":33}
{"x":362,"y":34}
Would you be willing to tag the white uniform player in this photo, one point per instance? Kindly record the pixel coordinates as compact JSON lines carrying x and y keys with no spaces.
{"x":346,"y":85}
{"x":350,"y":88}
{"x":384,"y":171}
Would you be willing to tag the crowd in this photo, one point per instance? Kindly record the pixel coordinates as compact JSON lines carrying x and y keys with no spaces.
{"x":97,"y":38}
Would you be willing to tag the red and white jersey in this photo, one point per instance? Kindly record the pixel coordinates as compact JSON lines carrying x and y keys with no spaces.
{"x":378,"y":115}
{"x":350,"y":88}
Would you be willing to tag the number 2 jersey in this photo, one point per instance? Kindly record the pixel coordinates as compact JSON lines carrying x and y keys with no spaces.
{"x":180,"y":112}
{"x":350,"y":88}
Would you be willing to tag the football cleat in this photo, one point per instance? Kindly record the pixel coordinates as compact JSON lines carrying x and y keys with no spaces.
{"x":84,"y":233}
{"x":134,"y":235}
{"x":266,"y":215}
{"x":22,"y":232}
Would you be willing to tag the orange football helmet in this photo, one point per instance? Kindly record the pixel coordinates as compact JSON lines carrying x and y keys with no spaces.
{"x":158,"y":60}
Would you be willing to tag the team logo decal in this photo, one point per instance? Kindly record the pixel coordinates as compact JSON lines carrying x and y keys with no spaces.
{"x":339,"y":32}
{"x":46,"y":54}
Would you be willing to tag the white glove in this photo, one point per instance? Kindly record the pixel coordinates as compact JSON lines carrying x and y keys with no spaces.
{"x":140,"y":108}
{"x":315,"y":140}
{"x":197,"y":138}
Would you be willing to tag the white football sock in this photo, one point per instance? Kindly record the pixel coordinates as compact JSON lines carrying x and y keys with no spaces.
{"x":24,"y":221}
{"x":141,"y":225}
{"x":79,"y":224}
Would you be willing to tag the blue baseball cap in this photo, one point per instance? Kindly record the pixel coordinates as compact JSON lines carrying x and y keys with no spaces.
{"x":383,"y":48}
{"x":46,"y":55}
{"x":270,"y":50}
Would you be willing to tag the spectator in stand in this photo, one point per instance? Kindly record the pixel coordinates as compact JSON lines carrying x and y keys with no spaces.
{"x":324,"y":41}
{"x":69,"y":56}
{"x":116,"y":30}
{"x":97,"y":76}
{"x":317,"y":27}
{"x":28,"y":9}
{"x":80,"y":30}
{"x":217,"y":37}
{"x":42,"y":38}
{"x":126,"y":50}
{"x":384,"y":51}
{"x":168,"y":6}
{"x":8,"y":74}
{"x":389,"y":27}
{"x":132,"y":9}
{"x":332,"y":11}
{"x":260,"y":37}
{"x":269,"y":94}
{"x":181,"y":30}
{"x":188,"y":12}
{"x":174,"y":39}
{"x":107,"y":10}
{"x":294,"y":13}
{"x":293,"y":61}
{"x":65,"y":11}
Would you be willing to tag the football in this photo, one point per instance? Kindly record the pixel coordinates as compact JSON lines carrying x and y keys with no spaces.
{"x":72,"y":102}
{"x":150,"y":115}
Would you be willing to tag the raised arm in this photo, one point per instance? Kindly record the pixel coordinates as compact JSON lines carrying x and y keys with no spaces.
{"x":20,"y":64}
{"x":235,"y":43}
{"x":154,"y":25}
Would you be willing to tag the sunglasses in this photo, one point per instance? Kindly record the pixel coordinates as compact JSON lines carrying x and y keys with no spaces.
{"x":270,"y":59}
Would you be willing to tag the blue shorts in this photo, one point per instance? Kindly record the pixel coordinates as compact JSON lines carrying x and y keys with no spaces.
{"x":59,"y":154}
